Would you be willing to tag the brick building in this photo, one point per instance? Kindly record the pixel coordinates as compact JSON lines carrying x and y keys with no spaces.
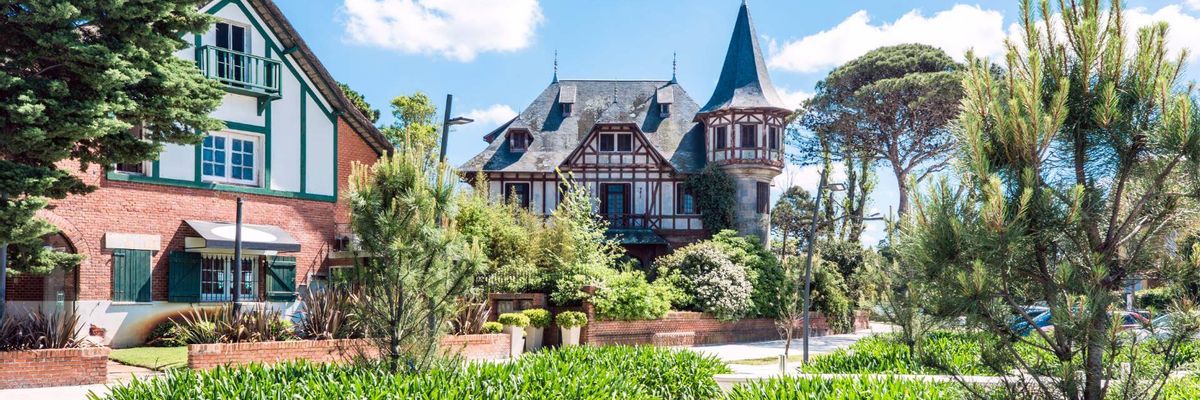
{"x":634,"y":143}
{"x":158,"y":236}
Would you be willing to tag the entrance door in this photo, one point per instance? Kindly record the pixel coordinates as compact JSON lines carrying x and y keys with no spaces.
{"x":614,"y":203}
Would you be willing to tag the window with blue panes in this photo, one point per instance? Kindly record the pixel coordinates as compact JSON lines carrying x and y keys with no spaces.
{"x":230,"y":158}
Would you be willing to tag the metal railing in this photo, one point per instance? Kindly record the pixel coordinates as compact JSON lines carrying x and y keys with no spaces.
{"x":240,"y":70}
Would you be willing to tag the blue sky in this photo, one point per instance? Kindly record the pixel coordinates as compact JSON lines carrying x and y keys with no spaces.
{"x":496,"y":55}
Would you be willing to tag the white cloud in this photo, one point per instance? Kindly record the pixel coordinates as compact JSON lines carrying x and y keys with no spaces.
{"x":956,"y":30}
{"x":492,"y":116}
{"x":455,"y":29}
{"x":806,"y":177}
{"x":1183,"y":32}
{"x":1193,"y":4}
{"x":794,"y":99}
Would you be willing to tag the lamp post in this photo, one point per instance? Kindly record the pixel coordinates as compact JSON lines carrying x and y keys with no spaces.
{"x":447,"y":122}
{"x":237,"y":257}
{"x":814,"y":223}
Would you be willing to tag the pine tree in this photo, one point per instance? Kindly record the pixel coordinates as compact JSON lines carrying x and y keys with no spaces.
{"x":1080,"y":163}
{"x":74,"y":78}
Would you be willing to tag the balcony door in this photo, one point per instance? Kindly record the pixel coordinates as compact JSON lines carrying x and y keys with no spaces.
{"x":615,"y":203}
{"x":232,"y":37}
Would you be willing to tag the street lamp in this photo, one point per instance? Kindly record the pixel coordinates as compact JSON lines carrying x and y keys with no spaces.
{"x":812,"y":238}
{"x":447,"y":122}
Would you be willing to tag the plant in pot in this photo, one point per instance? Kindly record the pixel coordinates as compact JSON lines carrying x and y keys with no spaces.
{"x":492,"y":327}
{"x":539,"y":319}
{"x":514,"y":325}
{"x":569,"y":323}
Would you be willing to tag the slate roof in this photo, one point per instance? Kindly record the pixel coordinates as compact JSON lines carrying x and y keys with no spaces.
{"x":744,"y":82}
{"x":677,"y":138}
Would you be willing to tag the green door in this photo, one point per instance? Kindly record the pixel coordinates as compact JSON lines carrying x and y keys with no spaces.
{"x":131,"y":275}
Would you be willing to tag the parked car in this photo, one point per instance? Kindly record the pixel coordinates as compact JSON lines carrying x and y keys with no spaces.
{"x":1160,"y":327}
{"x":1040,"y":316}
{"x":1130,"y":320}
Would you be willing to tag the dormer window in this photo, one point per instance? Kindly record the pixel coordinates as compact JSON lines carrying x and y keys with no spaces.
{"x":616,"y":142}
{"x":518,"y":141}
{"x":566,"y":100}
{"x":665,"y":97}
{"x":664,"y":110}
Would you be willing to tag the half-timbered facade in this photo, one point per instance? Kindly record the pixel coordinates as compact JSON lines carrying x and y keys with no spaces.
{"x":633,"y":143}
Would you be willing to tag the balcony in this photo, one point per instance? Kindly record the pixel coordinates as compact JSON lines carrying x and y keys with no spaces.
{"x":241,"y":73}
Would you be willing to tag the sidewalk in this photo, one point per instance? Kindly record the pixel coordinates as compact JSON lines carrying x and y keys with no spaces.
{"x":117,"y":373}
{"x":774,"y":348}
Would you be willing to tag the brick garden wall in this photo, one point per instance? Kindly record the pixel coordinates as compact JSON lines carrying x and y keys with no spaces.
{"x":57,"y":367}
{"x":205,"y":356}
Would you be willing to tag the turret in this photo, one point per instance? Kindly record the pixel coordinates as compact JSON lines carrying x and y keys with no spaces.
{"x":744,"y":123}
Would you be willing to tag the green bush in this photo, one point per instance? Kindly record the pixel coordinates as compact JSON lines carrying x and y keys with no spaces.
{"x":582,"y":372}
{"x":538,"y":318}
{"x":571,"y":319}
{"x":762,"y":270}
{"x":1157,"y":299}
{"x":848,"y":388}
{"x":959,"y":352}
{"x":225,"y":325}
{"x":492,"y":327}
{"x":707,"y":280}
{"x":165,"y":334}
{"x":513,"y":319}
{"x":628,"y":297}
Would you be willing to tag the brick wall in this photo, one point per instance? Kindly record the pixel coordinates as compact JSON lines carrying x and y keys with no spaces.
{"x":58,"y":367}
{"x":205,"y":356}
{"x":682,"y":328}
{"x":128,"y":207}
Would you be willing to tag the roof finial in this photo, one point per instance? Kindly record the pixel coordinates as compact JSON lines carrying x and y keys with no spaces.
{"x":555,"y":66}
{"x":674,"y":66}
{"x":614,"y":93}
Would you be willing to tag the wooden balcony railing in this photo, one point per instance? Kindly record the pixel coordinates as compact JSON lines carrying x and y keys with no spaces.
{"x":638,"y":221}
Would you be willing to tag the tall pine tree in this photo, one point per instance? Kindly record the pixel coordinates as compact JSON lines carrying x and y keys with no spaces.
{"x":1079,"y":168}
{"x":75,"y":76}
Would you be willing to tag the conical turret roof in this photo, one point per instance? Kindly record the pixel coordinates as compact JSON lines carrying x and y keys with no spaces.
{"x":744,"y":82}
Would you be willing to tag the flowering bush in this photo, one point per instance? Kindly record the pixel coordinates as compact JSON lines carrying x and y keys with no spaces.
{"x":707,"y":280}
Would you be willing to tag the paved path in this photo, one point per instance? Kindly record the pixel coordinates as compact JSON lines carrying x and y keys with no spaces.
{"x":117,"y":373}
{"x":774,"y":348}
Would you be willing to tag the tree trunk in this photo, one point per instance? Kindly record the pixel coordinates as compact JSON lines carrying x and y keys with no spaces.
{"x":1093,"y":364}
{"x":902,"y":187}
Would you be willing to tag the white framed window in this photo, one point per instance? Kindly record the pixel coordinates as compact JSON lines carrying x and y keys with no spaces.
{"x":216,"y":278}
{"x":230,"y":158}
{"x":616,"y":142}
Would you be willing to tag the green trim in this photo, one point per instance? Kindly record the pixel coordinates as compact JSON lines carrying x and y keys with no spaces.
{"x":113,"y":176}
{"x":267,"y":139}
{"x":197,"y":170}
{"x":304,"y":141}
{"x":265,"y":130}
{"x":335,"y":156}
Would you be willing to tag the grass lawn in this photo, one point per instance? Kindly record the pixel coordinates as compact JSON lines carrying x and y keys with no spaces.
{"x":794,"y":358}
{"x":156,"y":358}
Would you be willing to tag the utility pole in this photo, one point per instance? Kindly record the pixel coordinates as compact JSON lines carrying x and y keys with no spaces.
{"x":237,"y":257}
{"x":812,"y":238}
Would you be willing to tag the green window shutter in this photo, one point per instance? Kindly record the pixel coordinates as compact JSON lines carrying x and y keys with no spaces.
{"x":183,"y":277}
{"x":281,"y":278}
{"x":131,"y":275}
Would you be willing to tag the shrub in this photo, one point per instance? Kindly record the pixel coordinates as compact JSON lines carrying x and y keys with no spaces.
{"x":583,"y":372}
{"x":762,"y":269}
{"x":492,"y":327}
{"x":708,"y":280}
{"x":225,"y":325}
{"x":538,"y":318}
{"x":325,"y":315}
{"x":845,"y":388}
{"x":513,"y":319}
{"x":1157,"y":299}
{"x":830,"y":298}
{"x":165,"y":334}
{"x":571,"y":319}
{"x":628,"y":297}
{"x":37,"y":330}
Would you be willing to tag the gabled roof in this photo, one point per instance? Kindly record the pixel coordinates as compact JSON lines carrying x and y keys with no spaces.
{"x":677,"y":138}
{"x":744,"y":82}
{"x":324,"y":83}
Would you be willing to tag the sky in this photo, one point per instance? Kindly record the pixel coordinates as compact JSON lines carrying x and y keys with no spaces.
{"x":495,"y":56}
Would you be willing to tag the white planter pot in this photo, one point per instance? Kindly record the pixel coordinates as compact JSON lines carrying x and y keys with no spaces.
{"x":518,"y":340}
{"x":533,"y":338}
{"x":570,"y":336}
